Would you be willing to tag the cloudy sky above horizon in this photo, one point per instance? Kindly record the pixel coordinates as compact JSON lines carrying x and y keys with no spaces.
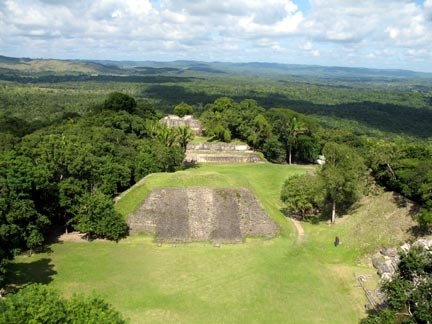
{"x":367,"y":33}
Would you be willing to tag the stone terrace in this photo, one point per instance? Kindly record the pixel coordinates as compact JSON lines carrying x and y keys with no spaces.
{"x":221,"y":153}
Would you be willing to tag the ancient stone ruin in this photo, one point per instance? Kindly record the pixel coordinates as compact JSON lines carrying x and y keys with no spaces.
{"x":221,"y":153}
{"x":188,"y":120}
{"x":202,"y":214}
{"x":387,"y":259}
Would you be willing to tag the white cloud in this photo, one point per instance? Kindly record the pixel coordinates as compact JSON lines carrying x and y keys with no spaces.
{"x":307,"y":46}
{"x":265,"y":30}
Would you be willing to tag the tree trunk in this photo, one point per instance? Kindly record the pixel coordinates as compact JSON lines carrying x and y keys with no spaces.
{"x":66,"y":222}
{"x":289,"y":155}
{"x":333,"y":216}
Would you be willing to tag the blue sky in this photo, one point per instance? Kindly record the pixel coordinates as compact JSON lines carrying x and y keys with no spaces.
{"x":363,"y":33}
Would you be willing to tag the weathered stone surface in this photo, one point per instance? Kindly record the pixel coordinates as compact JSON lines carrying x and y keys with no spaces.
{"x":405,"y":247}
{"x":377,"y":260}
{"x":188,"y":120}
{"x":202,"y":214}
{"x":424,"y":243}
{"x":386,"y":276}
{"x":386,"y":261}
{"x":221,"y":153}
{"x":386,"y":267}
{"x":389,"y":252}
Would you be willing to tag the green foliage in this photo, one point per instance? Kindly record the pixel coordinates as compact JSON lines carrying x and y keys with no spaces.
{"x":425,"y":219}
{"x":381,"y":316}
{"x":184,"y":136}
{"x":398,"y":292}
{"x":33,"y":304}
{"x":409,"y":293}
{"x":271,"y":133}
{"x":67,"y":174}
{"x":307,"y":148}
{"x":273,"y":150}
{"x":155,"y":156}
{"x":21,"y":223}
{"x":303,"y":196}
{"x":183,"y":109}
{"x":289,"y":126}
{"x":118,"y":101}
{"x":404,"y":167}
{"x":84,"y":310}
{"x":342,"y":176}
{"x":97,"y":217}
{"x":222,"y":134}
{"x":39,"y":304}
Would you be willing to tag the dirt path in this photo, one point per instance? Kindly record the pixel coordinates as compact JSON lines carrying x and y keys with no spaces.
{"x":299,"y":229}
{"x":72,"y":237}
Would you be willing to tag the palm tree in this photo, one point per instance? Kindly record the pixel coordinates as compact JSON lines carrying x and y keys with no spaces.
{"x":167,"y":136}
{"x":294,"y":128}
{"x":184,"y":136}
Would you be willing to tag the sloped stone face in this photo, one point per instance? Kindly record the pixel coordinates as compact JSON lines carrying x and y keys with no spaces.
{"x":202,"y":214}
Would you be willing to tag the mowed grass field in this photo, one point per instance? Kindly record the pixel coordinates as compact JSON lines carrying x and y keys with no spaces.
{"x":282,"y":280}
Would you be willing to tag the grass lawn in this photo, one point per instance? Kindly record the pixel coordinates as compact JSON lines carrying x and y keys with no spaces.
{"x":262,"y":281}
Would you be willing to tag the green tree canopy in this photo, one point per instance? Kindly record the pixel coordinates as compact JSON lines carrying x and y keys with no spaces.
{"x":39,"y":304}
{"x":183,"y":109}
{"x":302,"y":195}
{"x":97,"y":218}
{"x":118,"y":101}
{"x":342,"y":176}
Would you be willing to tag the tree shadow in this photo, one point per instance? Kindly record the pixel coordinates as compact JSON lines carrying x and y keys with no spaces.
{"x":400,"y":200}
{"x":414,"y":209}
{"x":21,"y":274}
{"x":383,"y":116}
{"x":419,"y":231}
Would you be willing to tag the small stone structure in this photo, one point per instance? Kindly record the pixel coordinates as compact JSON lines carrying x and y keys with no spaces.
{"x":386,"y":262}
{"x":201,"y":214}
{"x":221,"y":153}
{"x":188,"y":120}
{"x":387,"y":259}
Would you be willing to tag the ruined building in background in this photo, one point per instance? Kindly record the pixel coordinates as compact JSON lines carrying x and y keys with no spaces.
{"x":212,"y":152}
{"x":221,"y":153}
{"x":188,"y":120}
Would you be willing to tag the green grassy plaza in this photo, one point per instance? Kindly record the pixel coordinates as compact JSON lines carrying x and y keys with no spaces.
{"x":283,"y":280}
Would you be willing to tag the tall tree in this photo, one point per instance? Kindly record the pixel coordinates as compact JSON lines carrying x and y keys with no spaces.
{"x":342,"y":176}
{"x":295,"y":127}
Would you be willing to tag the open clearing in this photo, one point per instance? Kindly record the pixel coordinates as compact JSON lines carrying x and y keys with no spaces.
{"x":262,"y":281}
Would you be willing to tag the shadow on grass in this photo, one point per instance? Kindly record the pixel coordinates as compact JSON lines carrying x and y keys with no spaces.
{"x":21,"y":274}
{"x":419,"y":231}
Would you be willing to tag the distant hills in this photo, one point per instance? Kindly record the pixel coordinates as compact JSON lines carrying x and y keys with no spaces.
{"x":108,"y":67}
{"x":28,"y":65}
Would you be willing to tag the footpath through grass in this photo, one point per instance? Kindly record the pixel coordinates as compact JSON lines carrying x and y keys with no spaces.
{"x":261,"y":281}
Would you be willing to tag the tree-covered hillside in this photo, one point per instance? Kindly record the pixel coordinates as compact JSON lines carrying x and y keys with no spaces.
{"x":390,"y":101}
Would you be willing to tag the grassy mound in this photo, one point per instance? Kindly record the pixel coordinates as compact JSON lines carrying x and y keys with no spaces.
{"x":272,"y":281}
{"x":264,"y":180}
